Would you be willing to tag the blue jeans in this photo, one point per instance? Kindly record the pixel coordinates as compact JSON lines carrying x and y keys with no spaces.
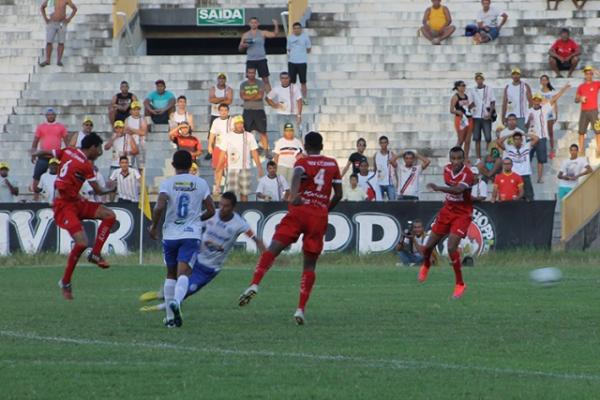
{"x":390,"y":190}
{"x":409,"y":258}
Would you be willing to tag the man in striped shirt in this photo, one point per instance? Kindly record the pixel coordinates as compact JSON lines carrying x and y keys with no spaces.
{"x":127,"y":180}
{"x":519,"y":153}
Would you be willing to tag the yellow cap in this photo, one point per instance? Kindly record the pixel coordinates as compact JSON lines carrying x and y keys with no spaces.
{"x":119,"y":124}
{"x":479,"y":74}
{"x":222,"y":75}
{"x":597,"y":126}
{"x":238,"y":119}
{"x":88,"y":119}
{"x":537,"y":96}
{"x":194,"y":167}
{"x":515,"y":70}
{"x":588,"y":68}
{"x":4,"y":165}
{"x":54,"y":161}
{"x":135,"y":104}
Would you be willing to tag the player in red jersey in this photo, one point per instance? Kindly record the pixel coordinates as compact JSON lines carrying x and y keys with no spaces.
{"x":314,"y":178}
{"x":454,"y":218}
{"x":69,"y":208}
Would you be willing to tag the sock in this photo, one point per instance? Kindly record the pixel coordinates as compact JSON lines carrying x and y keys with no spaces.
{"x":163,"y":306}
{"x":102,"y":235}
{"x":264,"y":263}
{"x":169,"y":293}
{"x":455,"y":258}
{"x":427,"y":257}
{"x":72,"y":262}
{"x":306,"y":285}
{"x":181,"y":288}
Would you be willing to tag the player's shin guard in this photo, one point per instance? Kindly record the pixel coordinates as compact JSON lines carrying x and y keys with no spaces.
{"x":264,"y":263}
{"x":455,"y":258}
{"x":102,"y":235}
{"x":74,"y":255}
{"x":306,"y":285}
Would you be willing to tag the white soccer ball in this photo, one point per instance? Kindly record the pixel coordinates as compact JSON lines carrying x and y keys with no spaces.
{"x":548,"y":276}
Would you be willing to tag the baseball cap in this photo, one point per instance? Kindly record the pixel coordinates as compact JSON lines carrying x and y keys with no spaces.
{"x":119,"y":124}
{"x":479,"y":74}
{"x":288,"y":127}
{"x":237,"y":118}
{"x":515,"y":70}
{"x":194,"y":167}
{"x":135,"y":104}
{"x":4,"y":165}
{"x":50,"y":110}
{"x":222,"y":75}
{"x":537,"y":96}
{"x":160,"y":81}
{"x":54,"y":160}
{"x":588,"y":68}
{"x":88,"y":119}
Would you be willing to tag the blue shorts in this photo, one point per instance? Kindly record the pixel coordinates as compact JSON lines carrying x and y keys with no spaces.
{"x":180,"y":250}
{"x":201,"y":276}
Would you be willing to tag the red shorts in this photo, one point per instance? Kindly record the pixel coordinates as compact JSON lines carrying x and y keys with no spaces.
{"x":298,"y":222}
{"x":68,"y":214}
{"x":450,"y":222}
{"x":215,"y":158}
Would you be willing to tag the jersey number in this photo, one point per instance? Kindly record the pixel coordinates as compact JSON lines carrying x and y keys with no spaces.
{"x":183,"y":206}
{"x":64,"y":169}
{"x":319,"y":179}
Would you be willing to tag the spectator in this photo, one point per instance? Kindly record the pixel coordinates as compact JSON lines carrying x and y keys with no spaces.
{"x":219,"y":94}
{"x":286,"y":99}
{"x":238,"y":148}
{"x":194,"y":169}
{"x":86,"y":128}
{"x":182,"y":136}
{"x":122,"y":145}
{"x":49,"y":136}
{"x":356,"y":158}
{"x":159,"y":104}
{"x":479,"y":190}
{"x":571,"y":170}
{"x":437,"y":23}
{"x":47,"y":180}
{"x":547,"y":91}
{"x":298,"y":48}
{"x":519,"y":154}
{"x":56,"y":27}
{"x":354,"y":193}
{"x":487,"y":23}
{"x":120,"y":105}
{"x":219,"y":128}
{"x":537,"y":120}
{"x":368,"y":181}
{"x":181,"y":114}
{"x":127,"y":181}
{"x":484,"y":112}
{"x":272,"y":187}
{"x":409,"y":172}
{"x":252,"y":93}
{"x":253,"y":42}
{"x":8,"y":190}
{"x":409,"y":249}
{"x":510,"y":129}
{"x":564,"y":54}
{"x":508,"y":186}
{"x":587,"y":95}
{"x":288,"y":149}
{"x":384,"y":163}
{"x":461,"y":106}
{"x":491,"y":165}
{"x":137,"y":128}
{"x":516,"y":99}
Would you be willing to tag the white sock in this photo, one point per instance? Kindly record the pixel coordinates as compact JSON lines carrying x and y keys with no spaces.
{"x":169,"y":293}
{"x":181,"y":288}
{"x":162,"y":306}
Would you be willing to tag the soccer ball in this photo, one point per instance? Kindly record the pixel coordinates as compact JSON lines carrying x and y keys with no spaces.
{"x":548,"y":276}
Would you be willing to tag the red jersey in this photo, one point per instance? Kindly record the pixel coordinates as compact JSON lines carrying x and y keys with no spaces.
{"x":565,"y":49}
{"x":508,"y":185}
{"x":75,"y":169}
{"x":459,"y":203}
{"x":320,"y":173}
{"x":189,"y":143}
{"x":590,"y":91}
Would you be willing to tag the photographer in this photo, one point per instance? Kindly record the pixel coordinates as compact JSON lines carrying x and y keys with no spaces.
{"x":409,"y":248}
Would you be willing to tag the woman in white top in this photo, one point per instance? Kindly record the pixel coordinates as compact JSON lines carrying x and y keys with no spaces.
{"x":181,"y":114}
{"x":548,"y":92}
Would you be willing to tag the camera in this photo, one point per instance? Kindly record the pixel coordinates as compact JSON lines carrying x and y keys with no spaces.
{"x":407,"y":232}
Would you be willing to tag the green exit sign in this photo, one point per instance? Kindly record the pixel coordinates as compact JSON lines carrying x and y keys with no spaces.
{"x":220,"y":16}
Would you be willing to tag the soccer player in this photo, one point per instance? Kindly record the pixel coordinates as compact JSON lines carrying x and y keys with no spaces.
{"x":70,"y":209}
{"x":314,"y":178}
{"x":220,"y":234}
{"x":454,"y":218}
{"x":187,"y":201}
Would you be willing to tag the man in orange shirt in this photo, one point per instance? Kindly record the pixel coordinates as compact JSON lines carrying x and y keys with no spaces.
{"x":508,"y":185}
{"x":437,"y":23}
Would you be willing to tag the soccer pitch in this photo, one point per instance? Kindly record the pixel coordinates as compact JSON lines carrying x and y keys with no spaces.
{"x":373,"y":333}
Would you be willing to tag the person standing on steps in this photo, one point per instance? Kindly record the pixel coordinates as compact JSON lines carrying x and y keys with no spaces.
{"x":547,"y":91}
{"x":587,"y":96}
{"x":437,"y":23}
{"x":461,"y":106}
{"x":483,"y":113}
{"x":219,"y":94}
{"x":298,"y":48}
{"x":516,"y":99}
{"x":253,"y":43}
{"x":56,"y":27}
{"x":252,"y":92}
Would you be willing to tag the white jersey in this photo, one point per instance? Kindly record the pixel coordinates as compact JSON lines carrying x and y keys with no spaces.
{"x":384,"y":169}
{"x":408,"y":180}
{"x":519,"y":157}
{"x":572,"y":168}
{"x":186,"y":193}
{"x":218,"y":239}
{"x":47,"y":185}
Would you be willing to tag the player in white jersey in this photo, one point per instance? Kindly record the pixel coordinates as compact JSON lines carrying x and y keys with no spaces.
{"x":220,"y":234}
{"x":187,"y":201}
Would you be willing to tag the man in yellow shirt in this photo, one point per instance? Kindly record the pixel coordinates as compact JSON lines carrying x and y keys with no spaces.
{"x":437,"y":23}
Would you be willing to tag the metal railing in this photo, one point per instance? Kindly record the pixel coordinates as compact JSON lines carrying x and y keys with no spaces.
{"x":581,"y":204}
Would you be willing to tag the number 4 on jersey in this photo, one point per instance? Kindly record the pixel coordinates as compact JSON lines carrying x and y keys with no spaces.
{"x":319,"y":179}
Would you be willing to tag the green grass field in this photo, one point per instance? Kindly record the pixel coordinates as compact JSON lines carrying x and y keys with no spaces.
{"x":372,"y":333}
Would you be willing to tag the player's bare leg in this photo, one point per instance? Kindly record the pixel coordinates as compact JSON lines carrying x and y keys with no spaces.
{"x":306,"y":285}
{"x":80,"y":245}
{"x":432,"y":241}
{"x":264,"y":263}
{"x":108,"y":218}
{"x":459,"y":288}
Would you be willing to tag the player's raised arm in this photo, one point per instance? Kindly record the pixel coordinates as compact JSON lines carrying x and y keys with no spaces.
{"x":209,"y":208}
{"x":458,"y":189}
{"x":157,"y":213}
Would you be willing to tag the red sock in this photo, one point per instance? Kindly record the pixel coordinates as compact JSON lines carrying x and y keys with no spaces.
{"x":264,"y":263}
{"x":306,"y":285}
{"x":455,"y":258}
{"x":427,"y":257}
{"x":72,"y":262}
{"x":102,"y":235}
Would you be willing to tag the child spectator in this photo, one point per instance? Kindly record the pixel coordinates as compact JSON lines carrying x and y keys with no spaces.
{"x":354,"y":193}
